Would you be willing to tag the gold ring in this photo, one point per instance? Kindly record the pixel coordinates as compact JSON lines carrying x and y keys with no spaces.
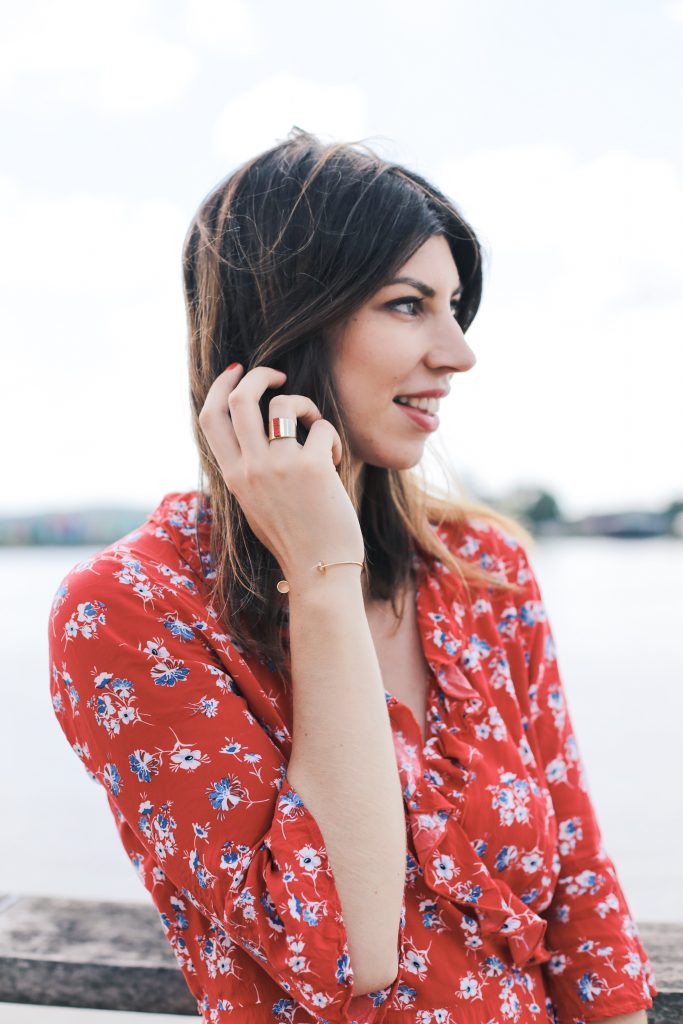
{"x":281,"y":426}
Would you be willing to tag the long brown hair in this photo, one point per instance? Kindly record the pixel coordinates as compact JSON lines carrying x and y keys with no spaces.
{"x":289,"y":244}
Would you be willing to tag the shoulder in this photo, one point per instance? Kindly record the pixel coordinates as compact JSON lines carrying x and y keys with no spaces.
{"x":517,"y":613}
{"x":486,"y":543}
{"x":143,"y":574}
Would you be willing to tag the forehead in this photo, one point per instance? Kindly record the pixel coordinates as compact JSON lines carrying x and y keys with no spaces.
{"x":433,"y":263}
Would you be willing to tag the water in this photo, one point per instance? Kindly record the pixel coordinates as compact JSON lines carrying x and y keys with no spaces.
{"x":14,"y":1013}
{"x":616,"y":610}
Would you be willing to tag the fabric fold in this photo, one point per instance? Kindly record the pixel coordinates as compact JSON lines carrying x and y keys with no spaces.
{"x":453,"y":871}
{"x":435,"y":801}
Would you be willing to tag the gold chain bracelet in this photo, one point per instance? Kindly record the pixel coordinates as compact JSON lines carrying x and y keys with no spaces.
{"x":283,"y":585}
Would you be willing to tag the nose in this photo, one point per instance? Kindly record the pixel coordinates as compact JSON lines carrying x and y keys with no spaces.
{"x":448,"y":348}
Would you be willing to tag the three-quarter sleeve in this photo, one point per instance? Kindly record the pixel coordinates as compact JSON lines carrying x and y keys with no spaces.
{"x":599,"y":967}
{"x":160,"y":721}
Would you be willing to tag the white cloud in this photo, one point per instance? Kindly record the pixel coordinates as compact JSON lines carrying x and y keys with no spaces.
{"x":94,"y":402}
{"x":223,"y":26}
{"x":607,"y":229}
{"x":264,"y":115}
{"x":578,"y":337}
{"x":94,"y":397}
{"x":88,"y":244}
{"x":675,"y":10}
{"x":94,"y":56}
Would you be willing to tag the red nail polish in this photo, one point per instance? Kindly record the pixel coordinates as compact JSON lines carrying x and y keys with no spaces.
{"x":232,"y":366}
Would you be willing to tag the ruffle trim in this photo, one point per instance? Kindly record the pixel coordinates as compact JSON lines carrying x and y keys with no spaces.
{"x":451,"y":868}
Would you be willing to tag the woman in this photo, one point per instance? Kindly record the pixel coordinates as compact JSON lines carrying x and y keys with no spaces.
{"x":324,"y":701}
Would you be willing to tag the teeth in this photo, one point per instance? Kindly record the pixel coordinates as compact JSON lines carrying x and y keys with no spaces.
{"x":430,"y":405}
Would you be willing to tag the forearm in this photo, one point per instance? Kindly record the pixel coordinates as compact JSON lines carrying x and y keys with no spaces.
{"x":344,"y":766}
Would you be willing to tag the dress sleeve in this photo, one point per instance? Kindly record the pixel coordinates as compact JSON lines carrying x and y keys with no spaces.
{"x":599,"y":967}
{"x":160,"y":722}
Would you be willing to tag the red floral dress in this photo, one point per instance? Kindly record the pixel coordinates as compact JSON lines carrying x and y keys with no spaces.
{"x":512,"y":909}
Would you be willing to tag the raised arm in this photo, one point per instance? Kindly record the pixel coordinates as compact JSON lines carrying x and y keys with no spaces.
{"x":343,"y":755}
{"x":344,"y":766}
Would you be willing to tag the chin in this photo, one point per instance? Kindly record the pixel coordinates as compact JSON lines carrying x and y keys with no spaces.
{"x":405,"y":459}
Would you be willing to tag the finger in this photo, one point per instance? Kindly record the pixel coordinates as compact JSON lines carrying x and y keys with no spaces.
{"x":245,"y":411}
{"x":296,"y":407}
{"x":214,"y":419}
{"x":322,"y":440}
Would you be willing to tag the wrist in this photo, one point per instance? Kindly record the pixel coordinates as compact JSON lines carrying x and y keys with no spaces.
{"x":301,"y":577}
{"x":337,"y":583}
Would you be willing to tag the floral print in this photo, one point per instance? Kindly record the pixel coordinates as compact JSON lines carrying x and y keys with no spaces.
{"x":512,"y":908}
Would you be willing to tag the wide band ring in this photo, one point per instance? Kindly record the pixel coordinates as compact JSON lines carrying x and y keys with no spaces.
{"x":281,"y":426}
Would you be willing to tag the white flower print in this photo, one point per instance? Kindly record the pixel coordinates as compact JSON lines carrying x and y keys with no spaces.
{"x":188,"y":760}
{"x":556,"y":770}
{"x":444,"y":866}
{"x":470,"y":987}
{"x":308,"y":858}
{"x":531,"y":863}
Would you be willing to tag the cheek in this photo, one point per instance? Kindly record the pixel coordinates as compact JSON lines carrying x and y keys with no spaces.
{"x":376,"y":370}
{"x":368,"y":395}
{"x":371,"y":362}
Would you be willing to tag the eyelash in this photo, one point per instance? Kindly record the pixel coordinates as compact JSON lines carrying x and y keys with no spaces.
{"x":457,"y":304}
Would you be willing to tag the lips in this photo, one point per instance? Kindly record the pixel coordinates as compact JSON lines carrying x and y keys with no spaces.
{"x":431,"y":403}
{"x":424,"y":420}
{"x":430,"y":393}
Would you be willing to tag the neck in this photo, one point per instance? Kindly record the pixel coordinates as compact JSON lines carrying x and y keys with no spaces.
{"x":357,"y":484}
{"x":356,"y":495}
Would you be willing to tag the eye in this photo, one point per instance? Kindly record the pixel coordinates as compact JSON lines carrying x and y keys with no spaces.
{"x":410,"y":300}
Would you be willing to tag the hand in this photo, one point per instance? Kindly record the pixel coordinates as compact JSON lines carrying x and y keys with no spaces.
{"x":291,"y":494}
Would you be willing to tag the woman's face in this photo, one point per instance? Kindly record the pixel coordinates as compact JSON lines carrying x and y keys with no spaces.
{"x":401,"y":341}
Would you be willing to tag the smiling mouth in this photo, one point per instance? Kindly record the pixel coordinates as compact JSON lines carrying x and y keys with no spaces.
{"x":428,"y":405}
{"x":424,"y":420}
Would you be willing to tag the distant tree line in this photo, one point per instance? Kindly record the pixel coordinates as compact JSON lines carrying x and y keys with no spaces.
{"x":536,"y":507}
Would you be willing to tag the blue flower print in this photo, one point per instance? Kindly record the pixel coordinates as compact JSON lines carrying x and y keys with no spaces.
{"x":226,"y":794}
{"x":112,"y":778}
{"x":179,"y":629}
{"x":144,"y":765}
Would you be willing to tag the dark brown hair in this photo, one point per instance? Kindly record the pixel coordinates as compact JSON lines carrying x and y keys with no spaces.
{"x":285,"y":247}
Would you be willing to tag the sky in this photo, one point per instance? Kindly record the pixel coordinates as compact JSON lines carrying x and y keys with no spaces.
{"x":553,"y":127}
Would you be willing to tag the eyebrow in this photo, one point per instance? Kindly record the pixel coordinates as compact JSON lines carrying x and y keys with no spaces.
{"x":421,"y":286}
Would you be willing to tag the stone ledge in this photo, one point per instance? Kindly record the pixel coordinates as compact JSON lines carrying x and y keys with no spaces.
{"x":100,"y":955}
{"x":114,"y":956}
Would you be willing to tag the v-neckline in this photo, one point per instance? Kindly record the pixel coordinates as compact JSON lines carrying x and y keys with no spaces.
{"x":420,"y":580}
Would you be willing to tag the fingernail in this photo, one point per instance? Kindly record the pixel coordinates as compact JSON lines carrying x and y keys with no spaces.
{"x":232,"y":366}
